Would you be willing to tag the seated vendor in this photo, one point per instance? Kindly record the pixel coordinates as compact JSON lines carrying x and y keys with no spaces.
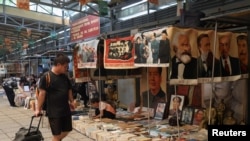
{"x":104,"y":109}
{"x":24,"y":92}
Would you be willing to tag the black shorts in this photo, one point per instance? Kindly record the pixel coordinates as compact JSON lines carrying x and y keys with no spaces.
{"x":59,"y":125}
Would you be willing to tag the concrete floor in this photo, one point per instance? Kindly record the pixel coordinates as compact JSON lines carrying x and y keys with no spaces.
{"x":13,"y":118}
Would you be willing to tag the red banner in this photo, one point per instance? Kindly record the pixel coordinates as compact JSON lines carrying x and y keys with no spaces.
{"x":119,"y":53}
{"x":84,"y":28}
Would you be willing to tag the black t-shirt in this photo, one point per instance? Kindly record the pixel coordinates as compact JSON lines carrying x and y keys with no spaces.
{"x":57,"y":96}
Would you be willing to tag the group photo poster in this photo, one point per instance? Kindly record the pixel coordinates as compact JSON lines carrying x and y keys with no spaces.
{"x":80,"y":75}
{"x":152,"y":48}
{"x":87,"y":54}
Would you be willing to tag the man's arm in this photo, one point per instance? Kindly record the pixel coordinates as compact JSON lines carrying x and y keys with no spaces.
{"x":71,"y":99}
{"x":40,"y":101}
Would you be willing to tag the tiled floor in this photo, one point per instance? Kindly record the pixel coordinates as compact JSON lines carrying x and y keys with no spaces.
{"x":11,"y":119}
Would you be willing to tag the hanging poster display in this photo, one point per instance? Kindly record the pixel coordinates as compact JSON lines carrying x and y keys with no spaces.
{"x":204,"y":56}
{"x":118,"y":53}
{"x":87,"y":54}
{"x":152,"y":48}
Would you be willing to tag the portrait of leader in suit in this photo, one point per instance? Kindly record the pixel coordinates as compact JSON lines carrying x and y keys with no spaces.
{"x":208,"y":64}
{"x":243,"y":53}
{"x":229,"y":65}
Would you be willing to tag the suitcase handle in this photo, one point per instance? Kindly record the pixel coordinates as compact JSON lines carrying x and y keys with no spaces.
{"x":32,"y":118}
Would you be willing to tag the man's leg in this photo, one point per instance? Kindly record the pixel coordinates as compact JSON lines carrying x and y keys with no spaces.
{"x":60,"y":137}
{"x":60,"y":127}
{"x":64,"y":134}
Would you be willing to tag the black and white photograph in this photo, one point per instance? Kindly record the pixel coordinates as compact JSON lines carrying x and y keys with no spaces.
{"x":187,"y":115}
{"x":176,"y":105}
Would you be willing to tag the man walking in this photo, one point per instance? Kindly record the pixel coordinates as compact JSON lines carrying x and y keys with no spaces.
{"x":57,"y":93}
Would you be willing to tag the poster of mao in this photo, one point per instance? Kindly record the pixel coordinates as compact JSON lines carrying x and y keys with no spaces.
{"x":152,"y":48}
{"x":184,"y":52}
{"x":87,"y":55}
{"x":118,"y":53}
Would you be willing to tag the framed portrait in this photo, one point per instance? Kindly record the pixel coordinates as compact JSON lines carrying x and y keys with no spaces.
{"x":187,"y":115}
{"x":176,"y":105}
{"x":160,"y":111}
{"x":199,"y":115}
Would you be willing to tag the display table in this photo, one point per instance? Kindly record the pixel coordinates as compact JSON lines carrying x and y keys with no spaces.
{"x":141,"y":130}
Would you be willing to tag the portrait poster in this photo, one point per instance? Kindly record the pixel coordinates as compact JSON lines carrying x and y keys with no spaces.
{"x":152,"y":48}
{"x":176,"y":105}
{"x":87,"y":54}
{"x":119,"y":53}
{"x":93,"y":89}
{"x":187,"y":115}
{"x":242,"y":45}
{"x":208,"y":63}
{"x":199,"y":116}
{"x":153,"y":87}
{"x":145,"y":79}
{"x":184,"y":52}
{"x":228,"y":56}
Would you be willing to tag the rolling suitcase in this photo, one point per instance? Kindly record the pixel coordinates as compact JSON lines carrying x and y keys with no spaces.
{"x":29,"y":134}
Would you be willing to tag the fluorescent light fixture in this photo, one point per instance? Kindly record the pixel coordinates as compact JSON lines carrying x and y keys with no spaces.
{"x":168,"y":5}
{"x":136,"y":15}
{"x":134,"y":4}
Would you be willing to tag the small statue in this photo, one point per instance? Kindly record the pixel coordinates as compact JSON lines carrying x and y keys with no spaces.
{"x":220,"y":111}
{"x":211,"y":115}
{"x":210,"y":118}
{"x":229,"y":119}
